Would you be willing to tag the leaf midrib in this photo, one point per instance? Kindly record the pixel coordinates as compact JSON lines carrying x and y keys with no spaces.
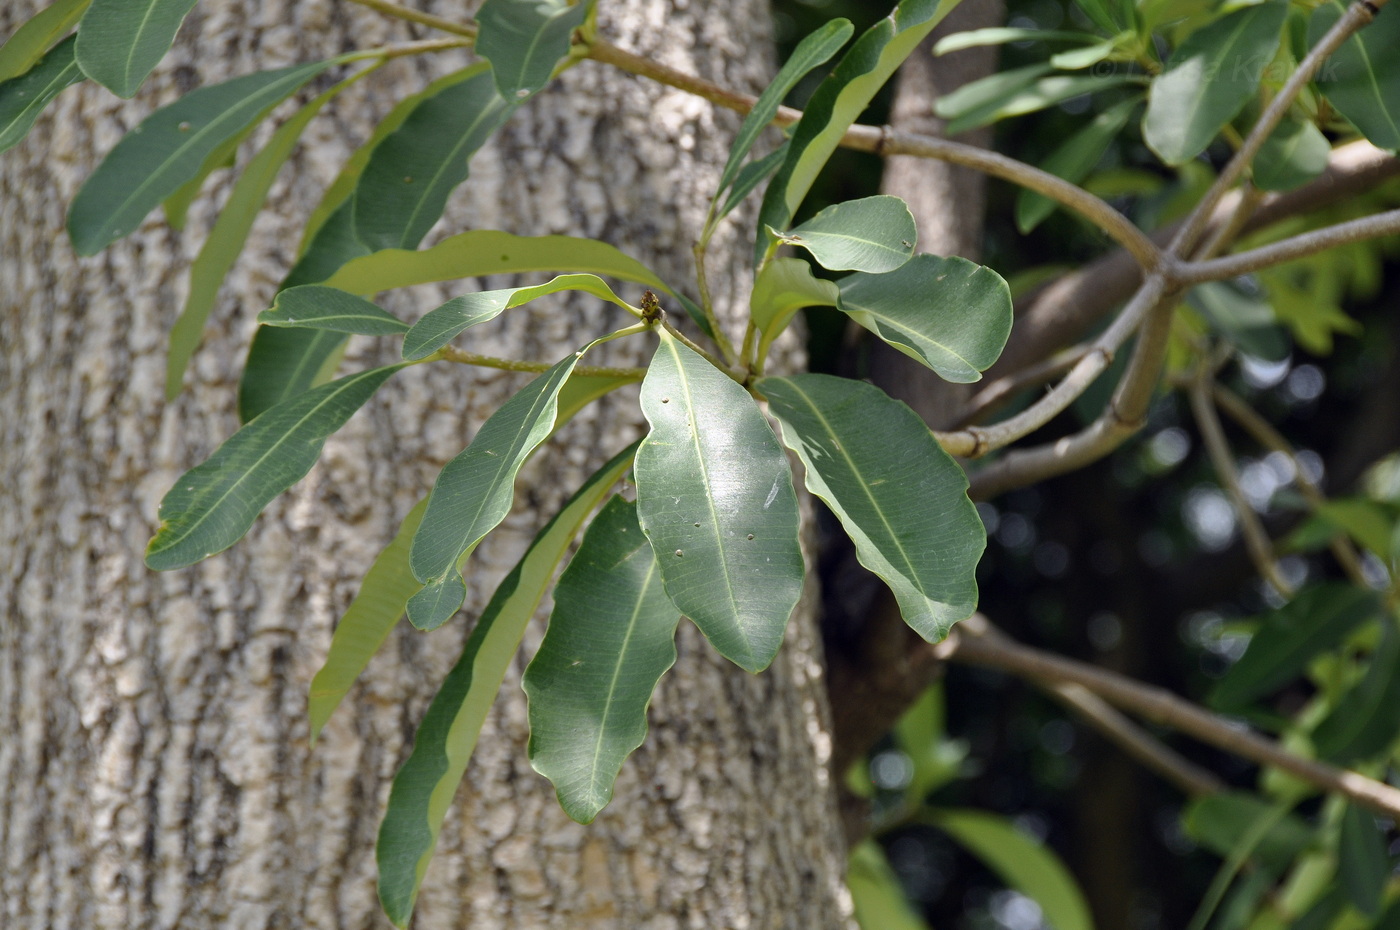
{"x":40,"y":100}
{"x":915,"y":334}
{"x":594,"y":786}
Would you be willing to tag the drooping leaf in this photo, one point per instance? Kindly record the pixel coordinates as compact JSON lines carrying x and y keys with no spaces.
{"x":1294,"y":154}
{"x":214,"y":504}
{"x":715,"y":497}
{"x":1037,"y":95}
{"x":874,"y":234}
{"x":121,"y":41}
{"x":1219,"y":821}
{"x":424,"y":786}
{"x":169,"y":148}
{"x":839,"y":101}
{"x":1073,"y":160}
{"x":782,"y":287}
{"x":1366,"y":719}
{"x":177,"y":205}
{"x":23,"y":98}
{"x":1362,"y":862}
{"x":30,"y":42}
{"x":1210,"y":77}
{"x":314,"y":306}
{"x":951,"y":314}
{"x":611,"y":637}
{"x":410,"y":174}
{"x":899,"y":496}
{"x":876,"y":893}
{"x":525,"y":40}
{"x":1362,"y":78}
{"x":1024,"y":863}
{"x":440,"y":326}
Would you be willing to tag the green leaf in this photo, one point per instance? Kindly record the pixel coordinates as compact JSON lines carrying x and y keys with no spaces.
{"x":313,"y":306}
{"x":1210,"y":77}
{"x":230,"y":231}
{"x":1366,"y":719}
{"x":951,"y":314}
{"x":715,"y":497}
{"x":366,"y":624}
{"x":899,"y":496}
{"x":410,"y":174}
{"x":283,"y":364}
{"x":1362,"y":78}
{"x":525,"y":39}
{"x":1075,"y":59}
{"x":1073,"y":160}
{"x":1247,"y":321}
{"x":1000,"y":35}
{"x":177,"y":205}
{"x":782,"y":287}
{"x":435,"y":604}
{"x":1370,"y":524}
{"x":23,"y":98}
{"x":425,"y":785}
{"x":1022,"y":862}
{"x":750,"y":176}
{"x":874,"y":234}
{"x":1318,"y":620}
{"x":880,"y":903}
{"x":121,"y":41}
{"x":839,"y":100}
{"x":1038,"y":95}
{"x":1101,"y":13}
{"x":439,"y":327}
{"x":611,"y":637}
{"x":169,"y":148}
{"x":1362,"y":861}
{"x":30,"y":42}
{"x":1219,"y":821}
{"x":214,"y":504}
{"x":1294,"y":154}
{"x":984,"y":95}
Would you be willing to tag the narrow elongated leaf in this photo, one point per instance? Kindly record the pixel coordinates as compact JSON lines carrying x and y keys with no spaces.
{"x":121,"y":41}
{"x":874,"y":234}
{"x":30,"y":42}
{"x":314,"y":306}
{"x":839,"y":101}
{"x":1366,"y":719}
{"x":750,"y":176}
{"x":405,"y":185}
{"x":611,"y":637}
{"x":1000,"y":35}
{"x":168,"y":148}
{"x":1209,"y":79}
{"x":23,"y":98}
{"x":1362,"y":78}
{"x":1219,"y":821}
{"x":1073,"y":160}
{"x":984,"y":95}
{"x":214,"y":504}
{"x":715,"y":497}
{"x":525,"y":40}
{"x":876,"y":893}
{"x":440,"y":326}
{"x":1038,"y":95}
{"x":899,"y":496}
{"x":951,"y":314}
{"x":1362,"y":861}
{"x":424,"y":786}
{"x":784,"y":286}
{"x":283,"y":364}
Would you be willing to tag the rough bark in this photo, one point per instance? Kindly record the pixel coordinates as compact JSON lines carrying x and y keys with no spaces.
{"x":156,"y":771}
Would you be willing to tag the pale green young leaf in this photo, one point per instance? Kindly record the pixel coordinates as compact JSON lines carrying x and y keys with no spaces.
{"x":1362,"y":78}
{"x":715,"y":497}
{"x":121,"y":41}
{"x":610,"y":639}
{"x":782,"y":287}
{"x":425,"y":785}
{"x":985,"y":94}
{"x":951,"y":314}
{"x":876,"y":893}
{"x":899,"y":496}
{"x":23,"y":98}
{"x":30,"y":42}
{"x":1000,"y":35}
{"x":1038,"y":95}
{"x":1294,"y":154}
{"x":1079,"y":58}
{"x":213,"y":504}
{"x":1311,"y":315}
{"x":1210,"y":77}
{"x":315,"y":306}
{"x":525,"y":39}
{"x":873,"y":234}
{"x":169,"y":148}
{"x":1072,"y":160}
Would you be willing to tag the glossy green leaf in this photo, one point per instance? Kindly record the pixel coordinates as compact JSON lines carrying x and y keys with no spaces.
{"x":385,"y":591}
{"x":410,"y":174}
{"x":899,"y":496}
{"x":30,"y":42}
{"x":1294,"y":154}
{"x":1038,"y":95}
{"x":611,"y":637}
{"x":1362,"y":78}
{"x":213,"y":504}
{"x":1000,"y":35}
{"x":951,"y":314}
{"x":121,"y":41}
{"x":839,"y":100}
{"x":1210,"y":77}
{"x":169,"y":148}
{"x":874,"y":234}
{"x":440,"y":326}
{"x":715,"y":497}
{"x":435,"y":604}
{"x":782,"y":287}
{"x":1318,"y":620}
{"x":425,"y":785}
{"x":230,"y":231}
{"x":525,"y":39}
{"x":1073,"y":160}
{"x":23,"y":98}
{"x":1219,"y":821}
{"x":1362,"y":862}
{"x":1366,"y":719}
{"x":878,"y":897}
{"x":1024,"y":863}
{"x":314,"y":306}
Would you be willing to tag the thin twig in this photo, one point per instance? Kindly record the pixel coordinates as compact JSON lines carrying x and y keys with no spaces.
{"x":704,"y":353}
{"x":464,"y":27}
{"x":1003,"y":389}
{"x":453,"y":354}
{"x":1309,"y":243}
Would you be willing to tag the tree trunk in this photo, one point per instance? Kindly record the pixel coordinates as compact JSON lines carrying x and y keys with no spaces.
{"x":156,"y":769}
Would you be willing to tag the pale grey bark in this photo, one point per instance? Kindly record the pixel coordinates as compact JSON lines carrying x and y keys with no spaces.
{"x":155,"y":770}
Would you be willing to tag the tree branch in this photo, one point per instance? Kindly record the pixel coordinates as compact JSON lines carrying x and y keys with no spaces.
{"x":1309,"y":243}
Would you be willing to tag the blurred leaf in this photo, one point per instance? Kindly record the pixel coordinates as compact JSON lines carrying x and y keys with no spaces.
{"x":31,"y":41}
{"x":1370,"y":524}
{"x":874,"y":234}
{"x":1245,"y":320}
{"x":610,"y":639}
{"x":984,"y":94}
{"x":1362,"y":862}
{"x":1000,"y":35}
{"x":880,"y":903}
{"x":1309,"y":313}
{"x":121,"y":41}
{"x":1362,"y":78}
{"x":316,"y":307}
{"x":525,"y":39}
{"x":1037,"y":95}
{"x":1211,"y":76}
{"x":715,"y":497}
{"x":1218,"y":821}
{"x":425,"y":785}
{"x":1294,"y":154}
{"x":1101,"y":12}
{"x":899,"y":496}
{"x":1079,"y":58}
{"x":1073,"y":160}
{"x":23,"y":98}
{"x":1365,"y":721}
